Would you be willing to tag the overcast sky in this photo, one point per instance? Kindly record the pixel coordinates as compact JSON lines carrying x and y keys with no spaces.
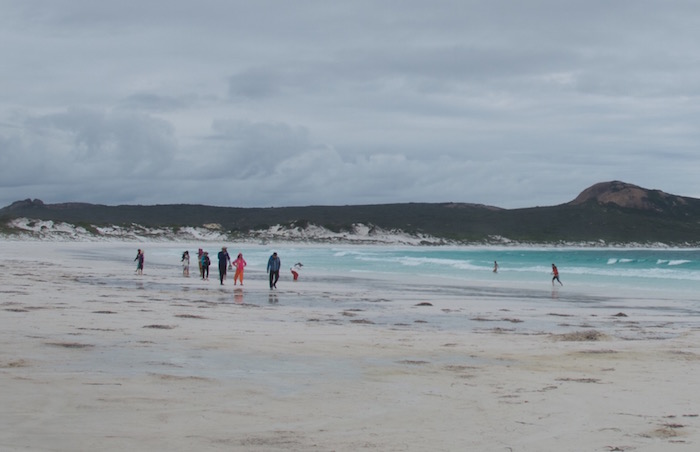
{"x":294,"y":102}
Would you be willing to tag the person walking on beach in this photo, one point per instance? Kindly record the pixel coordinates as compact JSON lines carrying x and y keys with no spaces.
{"x":555,"y":272}
{"x":200,"y":254}
{"x":186,"y":263}
{"x":240,"y":264}
{"x":139,"y":262}
{"x":205,"y":262}
{"x":495,"y":267}
{"x":224,"y":259}
{"x":273,"y":267}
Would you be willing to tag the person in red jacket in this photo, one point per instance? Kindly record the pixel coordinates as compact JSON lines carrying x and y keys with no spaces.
{"x":295,"y":270}
{"x":555,"y":272}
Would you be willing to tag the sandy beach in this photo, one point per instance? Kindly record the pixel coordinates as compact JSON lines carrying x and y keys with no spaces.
{"x":95,"y":357}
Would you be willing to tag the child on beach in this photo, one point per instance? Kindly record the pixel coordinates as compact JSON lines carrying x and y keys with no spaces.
{"x":186,"y":263}
{"x":139,"y":263}
{"x":206,"y":262}
{"x":295,"y":270}
{"x":240,"y":264}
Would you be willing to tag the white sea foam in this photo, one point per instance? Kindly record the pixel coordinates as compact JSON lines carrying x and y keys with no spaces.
{"x":678,"y":262}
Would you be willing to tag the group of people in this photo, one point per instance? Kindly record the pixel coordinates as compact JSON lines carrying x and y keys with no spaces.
{"x":225,"y":264}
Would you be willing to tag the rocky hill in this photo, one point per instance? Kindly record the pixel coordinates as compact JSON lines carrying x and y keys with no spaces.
{"x":630,"y":196}
{"x":605,"y":213}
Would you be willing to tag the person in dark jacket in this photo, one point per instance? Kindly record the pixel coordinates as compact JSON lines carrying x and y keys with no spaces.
{"x":139,"y":263}
{"x":273,"y":267}
{"x":206,"y":262}
{"x":224,"y":260}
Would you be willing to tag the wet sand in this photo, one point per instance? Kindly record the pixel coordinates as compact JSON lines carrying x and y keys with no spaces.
{"x":94,"y":357}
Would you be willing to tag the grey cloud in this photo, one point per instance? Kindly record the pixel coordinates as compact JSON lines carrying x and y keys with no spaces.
{"x":255,"y":149}
{"x":253,"y":84}
{"x":500,"y":102}
{"x":157,"y":103}
{"x":86,"y":146}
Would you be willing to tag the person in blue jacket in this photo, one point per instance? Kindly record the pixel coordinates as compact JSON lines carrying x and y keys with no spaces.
{"x":273,"y":267}
{"x":206,"y":262}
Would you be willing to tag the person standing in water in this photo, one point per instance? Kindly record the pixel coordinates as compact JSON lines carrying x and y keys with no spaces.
{"x":273,"y":267}
{"x":555,"y":272}
{"x":240,"y":264}
{"x":186,"y":263}
{"x":224,"y":259}
{"x":139,"y":262}
{"x":200,"y":255}
{"x":495,"y":267}
{"x":205,"y":262}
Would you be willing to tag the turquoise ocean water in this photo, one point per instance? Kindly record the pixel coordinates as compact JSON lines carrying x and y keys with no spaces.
{"x":672,"y":269}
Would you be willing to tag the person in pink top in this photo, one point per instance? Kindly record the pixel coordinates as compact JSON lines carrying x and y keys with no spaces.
{"x":239,"y":263}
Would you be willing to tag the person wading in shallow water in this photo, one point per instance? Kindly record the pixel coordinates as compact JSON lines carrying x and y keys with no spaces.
{"x":200,"y":255}
{"x":185,"y":263}
{"x":224,"y":259}
{"x":555,"y":272}
{"x":139,"y":264}
{"x":296,"y":269}
{"x":240,"y":264}
{"x":273,"y":267}
{"x":206,"y":262}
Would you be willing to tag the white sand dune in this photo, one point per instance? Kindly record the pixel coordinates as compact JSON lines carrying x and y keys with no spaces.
{"x":94,"y":357}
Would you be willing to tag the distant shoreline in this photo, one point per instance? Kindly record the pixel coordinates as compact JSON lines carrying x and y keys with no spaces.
{"x":24,"y":229}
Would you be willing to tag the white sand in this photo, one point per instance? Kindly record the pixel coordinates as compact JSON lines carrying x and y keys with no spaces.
{"x":94,"y":357}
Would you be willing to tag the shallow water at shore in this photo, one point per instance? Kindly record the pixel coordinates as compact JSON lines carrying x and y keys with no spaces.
{"x":411,"y":298}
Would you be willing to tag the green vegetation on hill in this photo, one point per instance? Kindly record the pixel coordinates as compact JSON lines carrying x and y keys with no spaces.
{"x":614,"y":212}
